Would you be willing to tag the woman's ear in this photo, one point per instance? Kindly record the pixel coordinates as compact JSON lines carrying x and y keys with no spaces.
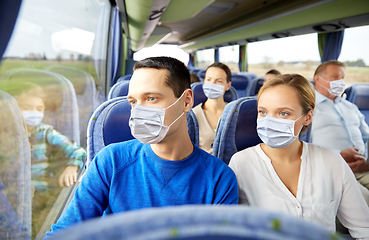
{"x":228,"y":86}
{"x":188,"y":96}
{"x":308,"y":118}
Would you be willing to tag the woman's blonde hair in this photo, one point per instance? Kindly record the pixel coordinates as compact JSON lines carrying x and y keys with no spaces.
{"x":304,"y":89}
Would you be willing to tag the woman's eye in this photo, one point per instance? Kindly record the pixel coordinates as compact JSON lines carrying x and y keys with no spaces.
{"x":152,"y":99}
{"x":262,"y":112}
{"x":284,"y":114}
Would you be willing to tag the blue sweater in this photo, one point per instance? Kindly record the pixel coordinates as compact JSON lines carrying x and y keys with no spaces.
{"x":129,"y":175}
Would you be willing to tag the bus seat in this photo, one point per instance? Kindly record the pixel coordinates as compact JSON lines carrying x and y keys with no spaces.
{"x":119,"y":89}
{"x":61,"y":109}
{"x":108,"y":124}
{"x":236,"y":129}
{"x":125,"y":77}
{"x":84,"y":85}
{"x":249,"y":75}
{"x":359,"y":95}
{"x":240,"y":82}
{"x":200,"y":97}
{"x":201,"y":74}
{"x":254,"y":86}
{"x":198,"y":222}
{"x":15,"y":165}
{"x":193,"y":127}
{"x":195,"y":70}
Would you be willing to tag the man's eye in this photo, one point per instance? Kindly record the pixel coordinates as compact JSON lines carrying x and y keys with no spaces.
{"x":132,"y":102}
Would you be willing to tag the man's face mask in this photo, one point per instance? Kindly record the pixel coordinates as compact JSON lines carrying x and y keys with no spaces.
{"x":32,"y":118}
{"x":337,"y":87}
{"x":147,"y":123}
{"x":275,"y":132}
{"x":213,"y":91}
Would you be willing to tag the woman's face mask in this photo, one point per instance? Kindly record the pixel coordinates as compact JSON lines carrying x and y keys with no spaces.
{"x":213,"y":91}
{"x":147,"y":123}
{"x":337,"y":87}
{"x":276,"y":132}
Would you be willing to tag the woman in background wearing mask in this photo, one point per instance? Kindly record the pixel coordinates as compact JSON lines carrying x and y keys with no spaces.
{"x":294,"y":177}
{"x":217,"y":81}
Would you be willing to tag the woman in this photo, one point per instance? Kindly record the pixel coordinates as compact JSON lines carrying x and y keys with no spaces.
{"x":298,"y":178}
{"x":217,"y":81}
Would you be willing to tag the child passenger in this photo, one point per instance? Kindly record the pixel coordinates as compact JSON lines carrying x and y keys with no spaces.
{"x":217,"y":81}
{"x":295,"y":177}
{"x":45,"y":141}
{"x":55,"y":160}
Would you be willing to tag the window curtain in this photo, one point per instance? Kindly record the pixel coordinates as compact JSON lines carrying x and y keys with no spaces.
{"x":330,"y":45}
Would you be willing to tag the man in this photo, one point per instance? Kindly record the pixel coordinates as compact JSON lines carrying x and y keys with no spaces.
{"x":169,"y":170}
{"x":271,"y":74}
{"x":338,"y":123}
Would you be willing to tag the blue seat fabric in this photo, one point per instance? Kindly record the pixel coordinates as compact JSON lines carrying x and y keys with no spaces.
{"x":119,"y":89}
{"x":240,"y":83}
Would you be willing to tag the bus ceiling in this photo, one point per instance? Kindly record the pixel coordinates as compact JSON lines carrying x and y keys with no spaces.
{"x":201,"y":24}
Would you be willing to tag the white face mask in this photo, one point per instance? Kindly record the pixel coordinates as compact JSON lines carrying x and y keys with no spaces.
{"x":147,"y":123}
{"x":32,"y":118}
{"x":213,"y":91}
{"x":337,"y":87}
{"x":276,"y":132}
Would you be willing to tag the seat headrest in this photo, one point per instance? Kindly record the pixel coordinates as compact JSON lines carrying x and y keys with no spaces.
{"x":78,"y":77}
{"x":246,"y":134}
{"x":120,"y":89}
{"x":360,"y":96}
{"x":115,"y":126}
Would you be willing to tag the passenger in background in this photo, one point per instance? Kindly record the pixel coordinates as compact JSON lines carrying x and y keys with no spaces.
{"x":271,"y":74}
{"x":338,"y":124}
{"x":217,"y":81}
{"x":291,"y":176}
{"x":55,"y":159}
{"x":194,"y":78}
{"x":47,"y":143}
{"x":161,"y":167}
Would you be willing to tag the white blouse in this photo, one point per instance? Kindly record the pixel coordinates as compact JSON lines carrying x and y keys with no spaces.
{"x":326,"y":188}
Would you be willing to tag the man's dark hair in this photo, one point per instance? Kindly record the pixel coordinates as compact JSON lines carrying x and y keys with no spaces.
{"x":178,"y":78}
{"x":274,"y":72}
{"x":225,"y":69}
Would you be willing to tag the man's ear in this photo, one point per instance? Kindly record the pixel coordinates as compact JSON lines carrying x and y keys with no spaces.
{"x":188,"y":103}
{"x":316,"y":78}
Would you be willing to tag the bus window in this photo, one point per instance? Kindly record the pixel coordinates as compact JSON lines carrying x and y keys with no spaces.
{"x":55,"y":69}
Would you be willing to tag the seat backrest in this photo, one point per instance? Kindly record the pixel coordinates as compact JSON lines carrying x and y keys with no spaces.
{"x":254,"y":86}
{"x":200,"y":97}
{"x":359,"y":95}
{"x":240,"y":83}
{"x":15,"y":165}
{"x":84,"y":85}
{"x":236,"y":129}
{"x":119,"y":89}
{"x":108,"y":124}
{"x":61,"y":109}
{"x":198,"y":222}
